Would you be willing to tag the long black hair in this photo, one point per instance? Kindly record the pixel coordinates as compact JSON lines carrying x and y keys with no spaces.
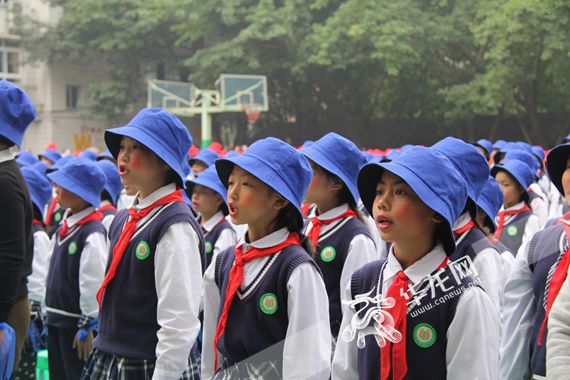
{"x":289,"y":217}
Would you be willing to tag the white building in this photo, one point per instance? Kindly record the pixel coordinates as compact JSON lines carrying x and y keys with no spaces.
{"x":57,"y":90}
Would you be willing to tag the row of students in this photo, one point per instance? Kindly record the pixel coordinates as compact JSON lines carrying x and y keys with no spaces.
{"x":271,"y":302}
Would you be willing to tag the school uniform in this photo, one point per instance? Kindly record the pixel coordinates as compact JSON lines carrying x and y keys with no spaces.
{"x":524,"y":304}
{"x":124,"y":200}
{"x":109,"y":211}
{"x":538,"y":202}
{"x":148,"y":329}
{"x":448,"y":357}
{"x":518,"y":227}
{"x":285,"y":343}
{"x":472,"y":242}
{"x":218,"y":235}
{"x":76,"y":268}
{"x":265,"y":302}
{"x":382,"y":336}
{"x":343,"y":247}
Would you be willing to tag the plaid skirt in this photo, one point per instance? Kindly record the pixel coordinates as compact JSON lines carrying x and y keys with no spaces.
{"x":267,"y":370}
{"x":104,"y":366}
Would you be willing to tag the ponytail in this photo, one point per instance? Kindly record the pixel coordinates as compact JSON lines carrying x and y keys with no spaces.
{"x":289,"y":218}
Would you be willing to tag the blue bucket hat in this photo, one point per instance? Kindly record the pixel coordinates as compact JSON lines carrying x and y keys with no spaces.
{"x":39,"y":188}
{"x":51,"y":154}
{"x":468,"y":161}
{"x":83,"y":178}
{"x":158,"y":130}
{"x":556,"y":164}
{"x":499,"y":144}
{"x":60,"y":163}
{"x":206,"y":155}
{"x":278,"y":165}
{"x":231,"y":153}
{"x":209,"y":178}
{"x":113,"y":184}
{"x":491,"y":200}
{"x":518,"y":170}
{"x":308,"y":143}
{"x":539,"y":154}
{"x":431,"y":176}
{"x":40,"y":167}
{"x":525,"y":157}
{"x":485,"y":144}
{"x":338,"y":156}
{"x":25,"y":158}
{"x":89,"y":154}
{"x":106,"y":155}
{"x":16,"y":112}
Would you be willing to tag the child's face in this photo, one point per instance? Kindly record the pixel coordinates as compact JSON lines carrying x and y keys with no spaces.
{"x":205,"y":200}
{"x":566,"y":180}
{"x":399,"y":213}
{"x":67,"y":199}
{"x":511,"y":189}
{"x":198,"y":167}
{"x":46,"y":161}
{"x":323,"y":188}
{"x":250,"y":201}
{"x":139,"y":168}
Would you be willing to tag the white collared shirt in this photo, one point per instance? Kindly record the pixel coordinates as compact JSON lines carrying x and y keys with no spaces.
{"x":107,"y":220}
{"x":40,"y":266}
{"x":91,"y":264}
{"x":178,"y":282}
{"x":307,"y":350}
{"x":361,"y":250}
{"x":518,"y":314}
{"x":472,"y":337}
{"x":7,"y":154}
{"x":488,"y":263}
{"x":532,"y":226}
{"x":227,"y":237}
{"x":539,"y":205}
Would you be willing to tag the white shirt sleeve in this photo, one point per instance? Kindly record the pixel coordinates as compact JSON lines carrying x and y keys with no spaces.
{"x":211,"y":310}
{"x":226,"y":239}
{"x":557,"y":348}
{"x":489,"y":265}
{"x":178,"y":282}
{"x":91,"y":272}
{"x":361,"y":251}
{"x":533,"y":225}
{"x":307,"y":351}
{"x":508,"y":261}
{"x":107,"y":222}
{"x":37,"y":280}
{"x":345,"y":359}
{"x":473,"y":338}
{"x":540,"y":209}
{"x":517,"y":316}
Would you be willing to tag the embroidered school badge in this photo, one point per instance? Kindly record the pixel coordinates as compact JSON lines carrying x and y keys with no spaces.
{"x":209,"y":247}
{"x":268,"y":303}
{"x":142,"y":250}
{"x":72,"y":248}
{"x":424,"y":335}
{"x":328,"y":254}
{"x":57,"y":217}
{"x":512,"y":230}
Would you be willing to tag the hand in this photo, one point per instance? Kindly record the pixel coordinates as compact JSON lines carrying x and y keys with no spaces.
{"x":85,"y":347}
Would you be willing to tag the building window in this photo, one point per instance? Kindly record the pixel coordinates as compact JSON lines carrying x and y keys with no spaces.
{"x":10,"y":54}
{"x":72,"y":97}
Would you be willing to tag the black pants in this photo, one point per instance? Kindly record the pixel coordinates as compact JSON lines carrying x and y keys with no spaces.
{"x":62,"y":357}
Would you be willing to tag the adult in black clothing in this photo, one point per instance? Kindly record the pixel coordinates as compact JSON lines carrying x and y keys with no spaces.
{"x":16,"y":239}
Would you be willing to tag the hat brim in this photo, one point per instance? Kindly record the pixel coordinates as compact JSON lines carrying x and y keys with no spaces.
{"x":520,"y":181}
{"x":556,"y":165}
{"x":70,"y":184}
{"x":370,"y":175}
{"x":322,"y":160}
{"x":258,"y":169}
{"x":113,"y":140}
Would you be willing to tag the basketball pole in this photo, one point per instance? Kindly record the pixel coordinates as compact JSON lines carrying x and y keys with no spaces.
{"x":206,"y":124}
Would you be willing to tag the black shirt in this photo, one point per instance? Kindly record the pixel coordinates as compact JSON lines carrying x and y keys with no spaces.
{"x":16,"y":238}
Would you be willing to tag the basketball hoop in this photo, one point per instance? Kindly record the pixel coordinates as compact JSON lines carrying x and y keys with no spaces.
{"x":252,"y":112}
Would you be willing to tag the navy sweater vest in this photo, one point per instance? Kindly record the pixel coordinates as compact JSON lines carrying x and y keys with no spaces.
{"x":62,"y":285}
{"x":128,"y":318}
{"x":331,"y":253}
{"x":257,"y":319}
{"x":426,"y":327}
{"x":474,"y":242}
{"x":108,"y":212}
{"x":212,"y":237}
{"x":513,"y":232}
{"x":544,"y":251}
